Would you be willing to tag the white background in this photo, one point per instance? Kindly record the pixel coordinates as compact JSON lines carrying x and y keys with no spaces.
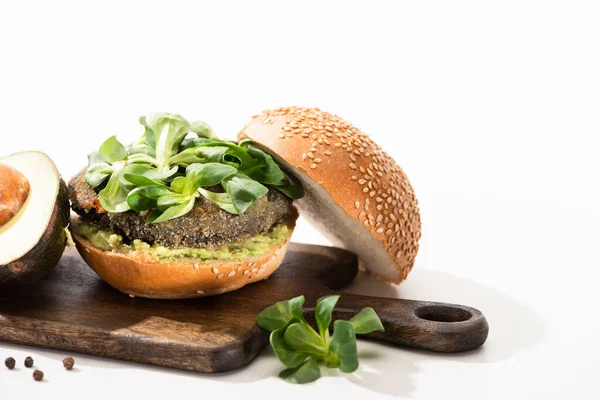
{"x":491,"y":108}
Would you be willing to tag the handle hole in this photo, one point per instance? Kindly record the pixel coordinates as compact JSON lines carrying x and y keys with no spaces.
{"x":442,"y":314}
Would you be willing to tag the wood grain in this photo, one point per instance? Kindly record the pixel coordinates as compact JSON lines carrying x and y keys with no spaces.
{"x":74,"y":310}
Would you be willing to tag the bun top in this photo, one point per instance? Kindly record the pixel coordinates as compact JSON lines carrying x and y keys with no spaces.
{"x":361,"y":178}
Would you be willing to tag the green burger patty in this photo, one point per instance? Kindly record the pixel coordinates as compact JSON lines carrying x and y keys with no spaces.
{"x":205,"y":226}
{"x":257,"y":245}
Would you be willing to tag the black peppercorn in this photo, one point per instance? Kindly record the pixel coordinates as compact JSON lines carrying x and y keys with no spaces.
{"x":29,"y":362}
{"x":38,"y":375}
{"x":10,"y":363}
{"x":68,"y":363}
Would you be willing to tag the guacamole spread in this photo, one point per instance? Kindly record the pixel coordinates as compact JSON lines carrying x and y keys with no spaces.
{"x":255,"y":246}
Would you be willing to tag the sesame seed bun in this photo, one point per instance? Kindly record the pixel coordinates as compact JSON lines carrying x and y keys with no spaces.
{"x":140,"y":276}
{"x":355,"y":194}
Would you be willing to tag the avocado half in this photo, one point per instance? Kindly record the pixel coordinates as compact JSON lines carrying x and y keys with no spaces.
{"x":33,"y":240}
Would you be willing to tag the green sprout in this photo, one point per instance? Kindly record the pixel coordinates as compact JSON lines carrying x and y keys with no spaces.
{"x":301,"y":348}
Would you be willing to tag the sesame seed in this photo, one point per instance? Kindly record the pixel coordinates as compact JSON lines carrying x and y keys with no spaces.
{"x":357,"y":204}
{"x":380,"y":230}
{"x":215,"y":270}
{"x":310,"y":154}
{"x":318,"y":160}
{"x":200,"y":292}
{"x":352,"y":166}
{"x":313,"y":166}
{"x":232,"y":273}
{"x":327,"y":153}
{"x":354,"y":177}
{"x":246,"y":272}
{"x":220,"y":276}
{"x":254,"y":270}
{"x":132,"y":296}
{"x":304,"y":156}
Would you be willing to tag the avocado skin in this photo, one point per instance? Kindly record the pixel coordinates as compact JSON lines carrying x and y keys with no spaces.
{"x":45,"y":255}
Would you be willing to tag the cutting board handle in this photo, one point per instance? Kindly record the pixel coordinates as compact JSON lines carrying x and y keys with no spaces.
{"x":440,"y":327}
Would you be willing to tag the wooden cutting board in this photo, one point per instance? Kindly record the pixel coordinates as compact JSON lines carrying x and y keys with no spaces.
{"x":75,"y":311}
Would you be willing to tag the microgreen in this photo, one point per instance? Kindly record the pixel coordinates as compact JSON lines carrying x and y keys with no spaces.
{"x":174,"y":163}
{"x":301,"y":348}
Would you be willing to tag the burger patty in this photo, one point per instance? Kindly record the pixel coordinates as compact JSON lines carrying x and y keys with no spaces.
{"x":206,"y":225}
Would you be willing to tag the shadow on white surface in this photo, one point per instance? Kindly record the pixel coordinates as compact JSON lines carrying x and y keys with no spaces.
{"x":385,"y":372}
{"x":513,"y":325}
{"x":381,"y":370}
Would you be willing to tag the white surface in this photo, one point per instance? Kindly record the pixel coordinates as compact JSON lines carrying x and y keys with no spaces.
{"x":490,"y":108}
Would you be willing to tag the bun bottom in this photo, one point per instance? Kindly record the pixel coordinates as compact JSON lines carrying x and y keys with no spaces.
{"x":180,"y":279}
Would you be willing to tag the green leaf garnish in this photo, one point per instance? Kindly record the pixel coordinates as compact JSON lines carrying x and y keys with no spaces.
{"x":243,"y":191}
{"x":308,"y":372}
{"x":176,"y":161}
{"x":223,"y":200}
{"x":278,"y":315}
{"x":303,"y":338}
{"x":112,"y":150}
{"x":287,"y":355}
{"x":323,"y":312}
{"x":173,"y":211}
{"x":210,"y":174}
{"x":366,"y":321}
{"x":300,"y":348}
{"x":343,"y":346}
